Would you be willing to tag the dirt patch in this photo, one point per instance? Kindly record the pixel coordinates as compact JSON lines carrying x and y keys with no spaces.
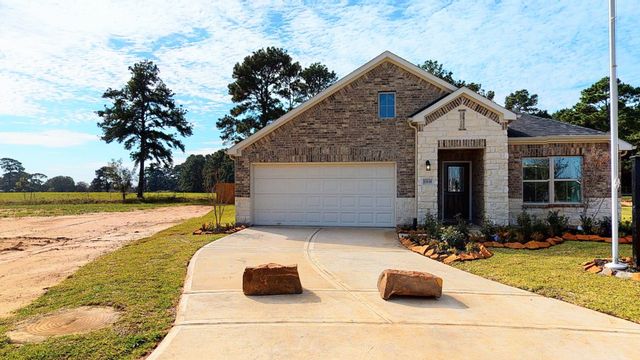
{"x":65,"y":322}
{"x":39,"y":252}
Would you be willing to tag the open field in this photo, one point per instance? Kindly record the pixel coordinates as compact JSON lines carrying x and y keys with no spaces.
{"x":76,"y":203}
{"x":143,"y":280}
{"x":38,"y":252}
{"x":557,"y":272}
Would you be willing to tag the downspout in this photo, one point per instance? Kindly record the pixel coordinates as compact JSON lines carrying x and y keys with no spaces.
{"x":415,"y":166}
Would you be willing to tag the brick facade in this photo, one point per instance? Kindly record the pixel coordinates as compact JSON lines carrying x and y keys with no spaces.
{"x":596,"y":188}
{"x":595,"y":165}
{"x":345,"y":127}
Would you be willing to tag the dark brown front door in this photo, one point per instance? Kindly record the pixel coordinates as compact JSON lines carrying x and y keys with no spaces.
{"x":455,"y":190}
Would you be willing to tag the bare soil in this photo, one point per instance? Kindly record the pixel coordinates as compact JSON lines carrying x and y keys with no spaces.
{"x":39,"y":252}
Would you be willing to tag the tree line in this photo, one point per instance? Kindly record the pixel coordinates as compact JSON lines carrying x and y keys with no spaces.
{"x":199,"y":173}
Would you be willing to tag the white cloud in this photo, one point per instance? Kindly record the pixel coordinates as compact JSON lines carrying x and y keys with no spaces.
{"x":48,"y":138}
{"x":54,"y":52}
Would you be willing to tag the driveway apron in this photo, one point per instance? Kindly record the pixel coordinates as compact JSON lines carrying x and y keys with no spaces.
{"x":340,"y":314}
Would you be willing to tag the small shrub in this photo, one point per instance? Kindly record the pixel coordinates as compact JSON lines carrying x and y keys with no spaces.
{"x":525,"y":227}
{"x":488,"y":229}
{"x":461,"y":225}
{"x":475,"y":237}
{"x":587,"y":223}
{"x":539,"y":226}
{"x":504,"y":234}
{"x":472,"y":246}
{"x":604,"y":226}
{"x":442,"y":247}
{"x":453,"y":237}
{"x":557,"y":223}
{"x":432,"y":225}
{"x":537,"y":236}
{"x":624,"y":228}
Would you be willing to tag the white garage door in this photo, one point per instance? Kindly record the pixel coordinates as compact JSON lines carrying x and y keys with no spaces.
{"x":324,"y":195}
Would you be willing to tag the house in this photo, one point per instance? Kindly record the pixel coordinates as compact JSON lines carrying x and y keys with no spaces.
{"x":390,"y":143}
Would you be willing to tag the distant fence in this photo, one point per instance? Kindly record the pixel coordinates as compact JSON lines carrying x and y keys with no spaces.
{"x":226,"y":192}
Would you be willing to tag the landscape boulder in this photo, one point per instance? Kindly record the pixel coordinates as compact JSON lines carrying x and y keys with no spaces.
{"x":271,"y":279}
{"x":408,"y":283}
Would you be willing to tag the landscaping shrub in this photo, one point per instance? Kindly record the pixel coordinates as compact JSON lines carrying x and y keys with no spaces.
{"x":525,"y":227}
{"x":461,"y":225}
{"x":604,"y":226}
{"x":488,"y":229}
{"x":432,"y":225}
{"x":538,"y":236}
{"x":539,"y":226}
{"x":472,"y":246}
{"x":557,"y":223}
{"x":624,"y":228}
{"x":453,"y":237}
{"x":587,"y":223}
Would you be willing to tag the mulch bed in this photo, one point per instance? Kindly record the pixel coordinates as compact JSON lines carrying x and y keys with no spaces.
{"x":226,"y":231}
{"x":447,"y":258}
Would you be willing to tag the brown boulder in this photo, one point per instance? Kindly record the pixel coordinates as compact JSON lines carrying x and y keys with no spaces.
{"x":430,"y":252}
{"x":420,"y":249}
{"x":408,"y":283}
{"x":271,"y":279}
{"x":569,"y":236}
{"x":451,"y":258}
{"x":493,"y":244}
{"x":485,"y":252}
{"x":533,"y":245}
{"x":514,"y":245}
{"x":594,"y":269}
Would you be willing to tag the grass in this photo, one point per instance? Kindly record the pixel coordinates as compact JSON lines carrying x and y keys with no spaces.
{"x":74,"y":203}
{"x":143,"y":280}
{"x":626,"y":213}
{"x":557,"y":272}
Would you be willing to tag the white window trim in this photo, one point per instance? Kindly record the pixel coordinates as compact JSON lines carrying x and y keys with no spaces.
{"x":394,"y":104}
{"x":551,"y":180}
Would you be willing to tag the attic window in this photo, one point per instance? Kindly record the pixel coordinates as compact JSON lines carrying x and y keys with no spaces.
{"x":462,"y":113}
{"x":387,"y":105}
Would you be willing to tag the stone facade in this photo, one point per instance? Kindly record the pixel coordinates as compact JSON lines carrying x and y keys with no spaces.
{"x":480,"y":130}
{"x":596,"y":188}
{"x":345,"y":127}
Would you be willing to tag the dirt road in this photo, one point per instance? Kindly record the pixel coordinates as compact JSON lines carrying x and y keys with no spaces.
{"x":38,"y":252}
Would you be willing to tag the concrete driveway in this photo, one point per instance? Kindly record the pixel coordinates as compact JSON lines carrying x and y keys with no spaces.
{"x":341,"y":316}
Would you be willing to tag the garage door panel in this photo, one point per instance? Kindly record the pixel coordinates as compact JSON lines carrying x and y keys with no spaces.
{"x":324,"y":195}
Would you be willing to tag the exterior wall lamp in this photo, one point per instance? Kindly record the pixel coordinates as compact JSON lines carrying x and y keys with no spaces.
{"x":428,"y":163}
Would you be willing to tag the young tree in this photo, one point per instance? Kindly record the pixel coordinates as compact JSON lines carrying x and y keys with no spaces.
{"x":266,"y":84}
{"x":144,"y":117}
{"x":120,"y":177}
{"x":437,"y":69}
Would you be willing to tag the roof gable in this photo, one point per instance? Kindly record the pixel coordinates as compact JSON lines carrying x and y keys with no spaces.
{"x":386,"y":56}
{"x":469,"y":98}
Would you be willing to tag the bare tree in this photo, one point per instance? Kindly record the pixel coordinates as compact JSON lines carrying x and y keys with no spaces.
{"x":120,"y":177}
{"x":218,"y":195}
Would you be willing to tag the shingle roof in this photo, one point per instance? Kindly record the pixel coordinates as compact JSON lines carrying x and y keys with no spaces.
{"x":532,"y":126}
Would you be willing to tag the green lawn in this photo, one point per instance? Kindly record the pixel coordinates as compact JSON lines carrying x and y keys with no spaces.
{"x":143,"y":279}
{"x":626,"y":213}
{"x":557,"y":272}
{"x":73,"y":203}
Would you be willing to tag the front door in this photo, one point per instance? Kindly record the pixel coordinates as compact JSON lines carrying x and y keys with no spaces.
{"x":456,"y":190}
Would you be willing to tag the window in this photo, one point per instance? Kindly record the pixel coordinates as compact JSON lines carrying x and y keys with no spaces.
{"x":554,"y":179}
{"x":455,"y":176}
{"x":386,"y":105}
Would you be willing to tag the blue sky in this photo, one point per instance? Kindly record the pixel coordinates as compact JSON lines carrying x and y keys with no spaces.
{"x":58,"y":57}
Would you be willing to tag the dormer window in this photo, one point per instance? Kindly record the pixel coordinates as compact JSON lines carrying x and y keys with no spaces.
{"x":387,"y":105}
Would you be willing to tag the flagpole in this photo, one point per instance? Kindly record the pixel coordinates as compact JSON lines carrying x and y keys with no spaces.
{"x":613,"y":101}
